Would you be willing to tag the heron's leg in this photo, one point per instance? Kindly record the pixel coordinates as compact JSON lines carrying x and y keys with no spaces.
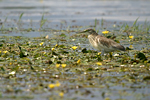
{"x":110,"y":55}
{"x":102,"y":53}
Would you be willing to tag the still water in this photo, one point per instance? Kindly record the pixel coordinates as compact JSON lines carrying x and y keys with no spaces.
{"x":63,"y":13}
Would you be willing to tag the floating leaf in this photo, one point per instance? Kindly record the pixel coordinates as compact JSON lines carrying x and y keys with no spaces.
{"x":89,"y":69}
{"x":127,"y":48}
{"x":2,"y":68}
{"x":1,"y":45}
{"x":84,"y":50}
{"x":141,"y":56}
{"x":146,"y":78}
{"x":62,"y":35}
{"x":48,"y":62}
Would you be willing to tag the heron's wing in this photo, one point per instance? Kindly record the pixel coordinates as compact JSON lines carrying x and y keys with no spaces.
{"x":101,"y":40}
{"x":105,"y":42}
{"x":119,"y":47}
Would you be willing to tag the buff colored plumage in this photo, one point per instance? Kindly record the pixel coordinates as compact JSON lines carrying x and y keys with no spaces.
{"x":102,"y":43}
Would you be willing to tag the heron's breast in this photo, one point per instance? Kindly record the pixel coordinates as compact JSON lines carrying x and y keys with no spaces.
{"x":93,"y":41}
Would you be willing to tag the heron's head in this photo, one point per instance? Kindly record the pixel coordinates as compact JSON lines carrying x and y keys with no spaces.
{"x":90,"y":31}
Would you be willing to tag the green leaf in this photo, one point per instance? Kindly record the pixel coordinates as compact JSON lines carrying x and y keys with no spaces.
{"x":2,"y":68}
{"x":20,"y":16}
{"x":62,"y":35}
{"x":1,"y":45}
{"x":84,"y":50}
{"x":141,"y":56}
{"x":146,"y":78}
{"x":21,"y":53}
{"x":89,"y":69}
{"x":43,"y":21}
{"x":134,"y":24}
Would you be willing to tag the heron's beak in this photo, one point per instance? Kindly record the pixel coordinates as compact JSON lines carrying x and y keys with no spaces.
{"x":82,"y":31}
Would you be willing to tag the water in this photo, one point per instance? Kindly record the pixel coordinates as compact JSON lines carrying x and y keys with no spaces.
{"x":63,"y":13}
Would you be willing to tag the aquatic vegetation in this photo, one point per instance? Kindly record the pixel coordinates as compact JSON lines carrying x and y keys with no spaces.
{"x":55,"y":66}
{"x":42,"y":21}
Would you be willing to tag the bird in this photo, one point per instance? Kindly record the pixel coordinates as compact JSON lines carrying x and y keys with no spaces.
{"x":101,"y":43}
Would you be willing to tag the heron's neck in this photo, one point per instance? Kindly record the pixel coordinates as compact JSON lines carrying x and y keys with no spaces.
{"x":95,"y":34}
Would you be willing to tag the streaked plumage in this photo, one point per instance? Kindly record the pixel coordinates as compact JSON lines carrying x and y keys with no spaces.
{"x":102,"y":43}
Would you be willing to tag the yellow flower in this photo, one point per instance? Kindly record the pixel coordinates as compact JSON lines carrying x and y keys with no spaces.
{"x":131,"y":46}
{"x":56,"y":45}
{"x":10,"y":63}
{"x":5,"y":51}
{"x":0,"y":51}
{"x":61,"y":94}
{"x":53,"y":49}
{"x":78,"y":61}
{"x":99,"y":63}
{"x":63,"y":65}
{"x":74,"y":47}
{"x":105,"y":32}
{"x":41,"y":43}
{"x":57,"y":84}
{"x":99,"y":53}
{"x":131,"y":36}
{"x":51,"y":86}
{"x":57,"y":65}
